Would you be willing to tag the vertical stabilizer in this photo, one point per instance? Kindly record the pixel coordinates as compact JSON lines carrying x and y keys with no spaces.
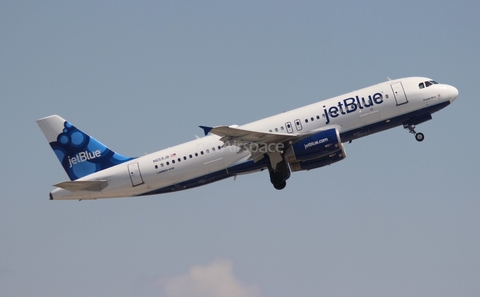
{"x":79,"y":154}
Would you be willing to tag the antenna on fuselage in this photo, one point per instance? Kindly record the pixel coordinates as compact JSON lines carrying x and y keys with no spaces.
{"x":389,"y":78}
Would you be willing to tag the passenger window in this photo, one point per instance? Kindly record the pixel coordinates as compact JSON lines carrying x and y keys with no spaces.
{"x":184,"y":157}
{"x":156,"y":166}
{"x":306,"y":120}
{"x":207,"y":151}
{"x":318,"y":117}
{"x":196,"y":154}
{"x":173,"y":161}
{"x":201,"y":152}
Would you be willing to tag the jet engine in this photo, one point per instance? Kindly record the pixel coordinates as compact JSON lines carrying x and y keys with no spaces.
{"x":314,"y":146}
{"x":317,"y":150}
{"x":320,"y":162}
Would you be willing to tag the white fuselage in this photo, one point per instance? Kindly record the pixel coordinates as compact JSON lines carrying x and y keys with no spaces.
{"x":206,"y":159}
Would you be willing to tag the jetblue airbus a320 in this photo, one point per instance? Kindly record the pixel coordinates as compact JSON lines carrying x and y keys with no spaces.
{"x":305,"y":138}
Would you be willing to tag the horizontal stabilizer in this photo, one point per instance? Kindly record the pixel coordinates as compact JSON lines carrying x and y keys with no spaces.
{"x":73,"y":186}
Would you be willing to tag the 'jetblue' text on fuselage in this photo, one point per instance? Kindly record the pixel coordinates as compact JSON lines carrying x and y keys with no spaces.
{"x":350,"y":105}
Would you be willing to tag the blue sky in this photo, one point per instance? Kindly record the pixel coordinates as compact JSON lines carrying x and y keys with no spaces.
{"x":395,"y":218}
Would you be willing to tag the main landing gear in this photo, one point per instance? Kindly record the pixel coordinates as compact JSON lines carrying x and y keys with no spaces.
{"x":279,"y":175}
{"x":418,"y":136}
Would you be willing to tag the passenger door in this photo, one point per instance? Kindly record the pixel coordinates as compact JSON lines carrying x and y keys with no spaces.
{"x":399,"y":93}
{"x":135,"y":175}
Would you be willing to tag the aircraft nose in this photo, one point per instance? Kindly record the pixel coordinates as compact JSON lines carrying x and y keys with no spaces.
{"x":451,"y":93}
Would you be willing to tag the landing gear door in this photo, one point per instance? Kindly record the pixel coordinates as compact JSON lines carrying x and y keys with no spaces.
{"x":399,"y":93}
{"x":135,"y":175}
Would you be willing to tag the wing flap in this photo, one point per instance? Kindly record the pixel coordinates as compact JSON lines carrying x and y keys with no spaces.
{"x":74,"y":186}
{"x":231,"y":134}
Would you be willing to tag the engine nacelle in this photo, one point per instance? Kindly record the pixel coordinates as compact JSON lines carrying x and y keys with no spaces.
{"x":320,"y":162}
{"x":314,"y":146}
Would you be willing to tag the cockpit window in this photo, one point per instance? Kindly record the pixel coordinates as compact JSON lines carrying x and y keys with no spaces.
{"x":426,"y":84}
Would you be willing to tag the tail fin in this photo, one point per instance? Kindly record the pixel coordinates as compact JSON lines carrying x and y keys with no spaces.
{"x":79,"y":153}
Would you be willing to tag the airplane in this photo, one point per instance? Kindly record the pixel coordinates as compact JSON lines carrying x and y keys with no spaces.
{"x":305,"y":138}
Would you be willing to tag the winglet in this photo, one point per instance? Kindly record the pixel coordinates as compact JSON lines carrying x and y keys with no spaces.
{"x":206,"y":129}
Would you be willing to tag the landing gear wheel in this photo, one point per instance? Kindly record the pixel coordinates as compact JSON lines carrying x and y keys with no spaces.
{"x":279,"y":176}
{"x":280,"y":186}
{"x":419,"y":137}
{"x":411,"y":128}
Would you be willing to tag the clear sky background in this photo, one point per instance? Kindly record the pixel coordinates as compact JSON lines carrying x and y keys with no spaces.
{"x":395,"y":218}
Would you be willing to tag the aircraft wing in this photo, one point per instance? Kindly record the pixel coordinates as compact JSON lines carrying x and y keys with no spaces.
{"x":230,"y":134}
{"x":254,"y":141}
